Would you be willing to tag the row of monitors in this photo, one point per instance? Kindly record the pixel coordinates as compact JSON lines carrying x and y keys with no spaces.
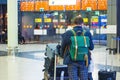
{"x":53,"y":0}
{"x":80,"y":5}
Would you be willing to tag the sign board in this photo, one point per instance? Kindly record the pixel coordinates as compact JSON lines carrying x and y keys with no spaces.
{"x":60,"y":31}
{"x":38,"y":20}
{"x":85,"y":19}
{"x":37,"y":32}
{"x":47,"y":20}
{"x":94,"y":19}
{"x":55,"y":20}
{"x":40,"y":32}
{"x":111,"y":29}
{"x":97,"y":13}
{"x":62,"y":20}
{"x":44,"y":32}
{"x":102,"y":20}
{"x":41,"y":9}
{"x":89,"y":9}
{"x":55,"y":13}
{"x":62,"y":2}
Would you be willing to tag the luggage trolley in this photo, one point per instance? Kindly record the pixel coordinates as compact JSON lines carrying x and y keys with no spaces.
{"x":54,"y":67}
{"x":108,"y":74}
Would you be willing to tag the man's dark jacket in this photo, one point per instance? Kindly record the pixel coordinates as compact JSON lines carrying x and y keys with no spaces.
{"x":66,"y":43}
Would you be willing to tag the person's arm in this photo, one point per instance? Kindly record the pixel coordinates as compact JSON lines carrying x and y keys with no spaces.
{"x":91,"y":40}
{"x":63,"y":45}
{"x":65,"y":42}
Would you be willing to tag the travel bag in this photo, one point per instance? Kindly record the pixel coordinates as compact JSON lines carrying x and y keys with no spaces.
{"x":107,"y":74}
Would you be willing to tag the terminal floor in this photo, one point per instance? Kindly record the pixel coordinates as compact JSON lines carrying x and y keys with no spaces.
{"x":28,"y":64}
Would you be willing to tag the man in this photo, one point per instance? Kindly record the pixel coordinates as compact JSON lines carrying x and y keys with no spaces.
{"x":75,"y":68}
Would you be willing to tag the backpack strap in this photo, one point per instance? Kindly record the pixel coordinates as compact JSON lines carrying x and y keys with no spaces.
{"x":76,"y":47}
{"x":84,"y":39}
{"x":85,"y":42}
{"x":73,"y":32}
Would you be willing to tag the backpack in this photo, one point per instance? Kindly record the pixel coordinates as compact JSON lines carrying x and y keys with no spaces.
{"x":79,"y":47}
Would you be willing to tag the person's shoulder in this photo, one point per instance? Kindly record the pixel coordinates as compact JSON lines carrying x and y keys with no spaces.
{"x":67,"y":33}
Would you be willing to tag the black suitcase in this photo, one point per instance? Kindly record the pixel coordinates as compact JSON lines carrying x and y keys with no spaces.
{"x":107,"y":74}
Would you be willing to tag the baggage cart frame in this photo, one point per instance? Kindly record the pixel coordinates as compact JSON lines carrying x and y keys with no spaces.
{"x":52,"y":70}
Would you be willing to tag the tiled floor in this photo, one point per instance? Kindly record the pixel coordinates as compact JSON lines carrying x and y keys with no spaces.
{"x":28,"y":64}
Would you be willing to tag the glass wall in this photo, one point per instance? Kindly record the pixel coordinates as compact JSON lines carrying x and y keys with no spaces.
{"x":3,"y":23}
{"x":48,"y":18}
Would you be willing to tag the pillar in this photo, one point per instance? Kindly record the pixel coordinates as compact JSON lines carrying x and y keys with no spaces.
{"x":111,"y":15}
{"x":12,"y":29}
{"x":118,"y":20}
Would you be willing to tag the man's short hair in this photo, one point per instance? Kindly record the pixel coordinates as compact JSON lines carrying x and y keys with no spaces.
{"x":78,"y":20}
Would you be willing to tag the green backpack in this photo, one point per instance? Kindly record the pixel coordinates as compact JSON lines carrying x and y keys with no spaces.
{"x":79,"y":47}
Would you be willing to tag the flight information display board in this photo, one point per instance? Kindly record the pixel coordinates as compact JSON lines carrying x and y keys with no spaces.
{"x":102,"y":4}
{"x":27,"y":6}
{"x":41,"y":4}
{"x":89,"y":3}
{"x":51,"y":5}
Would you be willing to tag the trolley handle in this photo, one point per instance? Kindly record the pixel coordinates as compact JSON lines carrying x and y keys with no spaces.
{"x":111,"y":49}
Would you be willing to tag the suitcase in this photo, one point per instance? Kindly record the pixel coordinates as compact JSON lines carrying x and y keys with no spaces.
{"x":107,"y":74}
